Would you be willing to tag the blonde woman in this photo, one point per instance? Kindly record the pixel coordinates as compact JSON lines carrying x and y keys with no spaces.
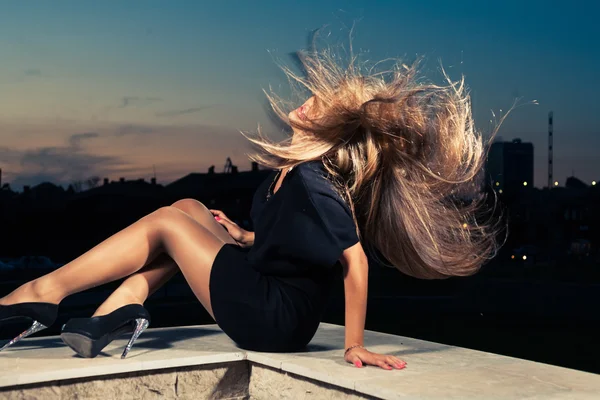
{"x":372,"y":165}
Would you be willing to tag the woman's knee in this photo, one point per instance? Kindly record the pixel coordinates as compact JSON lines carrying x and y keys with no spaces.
{"x":190,"y":206}
{"x":195,"y":209}
{"x":165,"y":217}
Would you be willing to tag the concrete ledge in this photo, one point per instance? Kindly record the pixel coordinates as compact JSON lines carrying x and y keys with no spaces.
{"x":215,"y":381}
{"x":201,"y":362}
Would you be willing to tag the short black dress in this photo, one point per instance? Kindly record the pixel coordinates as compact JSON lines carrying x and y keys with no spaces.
{"x":271,"y":296}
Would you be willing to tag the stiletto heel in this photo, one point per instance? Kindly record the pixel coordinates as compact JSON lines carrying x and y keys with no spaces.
{"x":140,"y":326}
{"x":88,"y":336}
{"x":35,"y":327}
{"x":42,"y":315}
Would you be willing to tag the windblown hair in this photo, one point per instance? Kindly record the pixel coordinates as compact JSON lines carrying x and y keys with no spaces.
{"x":399,"y":151}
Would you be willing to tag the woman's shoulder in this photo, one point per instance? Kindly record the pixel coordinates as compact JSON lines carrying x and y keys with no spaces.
{"x":314,"y":176}
{"x":330,"y":207}
{"x":320,"y":189}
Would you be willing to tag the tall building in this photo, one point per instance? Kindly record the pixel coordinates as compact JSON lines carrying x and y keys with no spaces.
{"x":509,"y":166}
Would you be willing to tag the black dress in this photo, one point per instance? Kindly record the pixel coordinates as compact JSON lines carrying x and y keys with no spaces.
{"x":271,"y":296}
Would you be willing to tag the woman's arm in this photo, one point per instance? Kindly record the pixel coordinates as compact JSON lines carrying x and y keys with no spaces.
{"x":241,"y":236}
{"x":356,"y":279}
{"x":248,"y":239}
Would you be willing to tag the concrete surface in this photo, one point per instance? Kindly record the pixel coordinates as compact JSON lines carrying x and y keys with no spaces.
{"x":201,"y":362}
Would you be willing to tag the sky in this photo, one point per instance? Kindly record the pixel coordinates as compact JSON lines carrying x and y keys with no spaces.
{"x":125,"y":88}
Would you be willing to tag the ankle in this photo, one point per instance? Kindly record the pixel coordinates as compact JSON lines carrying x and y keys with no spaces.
{"x":46,"y":291}
{"x":129,"y":295}
{"x":119,"y":298}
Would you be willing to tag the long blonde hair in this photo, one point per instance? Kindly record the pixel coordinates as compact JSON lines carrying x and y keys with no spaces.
{"x":398,"y":151}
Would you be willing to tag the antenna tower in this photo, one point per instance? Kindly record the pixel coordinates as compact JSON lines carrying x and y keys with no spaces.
{"x":550,"y":145}
{"x":228,"y":165}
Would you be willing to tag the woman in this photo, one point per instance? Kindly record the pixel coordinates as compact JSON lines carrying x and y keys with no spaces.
{"x":375,"y":160}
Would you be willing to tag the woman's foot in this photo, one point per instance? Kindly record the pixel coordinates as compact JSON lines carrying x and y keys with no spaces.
{"x":27,"y":303}
{"x":88,"y":336}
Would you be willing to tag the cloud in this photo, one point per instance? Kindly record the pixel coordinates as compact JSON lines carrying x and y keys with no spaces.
{"x":9,"y":156}
{"x":134,"y":101}
{"x":64,"y":159}
{"x":57,"y":165}
{"x":176,"y":113}
{"x":33,"y":72}
{"x":76,"y":139}
{"x":131,"y":129}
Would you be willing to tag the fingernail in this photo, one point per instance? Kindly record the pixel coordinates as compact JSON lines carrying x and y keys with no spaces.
{"x":217,"y":218}
{"x":357,"y":364}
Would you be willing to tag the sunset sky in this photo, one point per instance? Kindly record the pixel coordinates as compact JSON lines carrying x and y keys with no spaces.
{"x":111,"y":88}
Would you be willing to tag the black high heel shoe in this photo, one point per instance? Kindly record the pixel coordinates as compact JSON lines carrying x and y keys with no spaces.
{"x":42,"y":314}
{"x":88,"y":336}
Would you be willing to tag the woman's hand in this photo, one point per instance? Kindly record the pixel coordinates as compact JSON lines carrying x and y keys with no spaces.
{"x":242,"y":237}
{"x":359,"y":356}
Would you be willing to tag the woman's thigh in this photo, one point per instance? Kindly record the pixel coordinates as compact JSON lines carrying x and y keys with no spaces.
{"x":191,"y":245}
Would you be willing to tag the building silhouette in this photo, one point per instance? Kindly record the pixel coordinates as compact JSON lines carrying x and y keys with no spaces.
{"x":509,"y":167}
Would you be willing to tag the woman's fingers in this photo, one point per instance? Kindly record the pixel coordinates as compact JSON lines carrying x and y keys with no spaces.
{"x":224,"y":221}
{"x":380,"y":360}
{"x":383,"y":364}
{"x":375,"y":359}
{"x":395,"y":362}
{"x":221,"y":215}
{"x":356,"y":361}
{"x":232,"y":228}
{"x":216,"y":212}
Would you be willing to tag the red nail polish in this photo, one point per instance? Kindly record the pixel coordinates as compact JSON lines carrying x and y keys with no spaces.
{"x":217,"y":218}
{"x":357,"y":364}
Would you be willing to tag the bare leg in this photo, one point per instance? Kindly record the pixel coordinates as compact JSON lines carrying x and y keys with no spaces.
{"x":192,"y":246}
{"x":139,"y":286}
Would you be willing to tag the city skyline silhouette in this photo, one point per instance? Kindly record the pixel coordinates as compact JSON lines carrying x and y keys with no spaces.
{"x":120,"y":89}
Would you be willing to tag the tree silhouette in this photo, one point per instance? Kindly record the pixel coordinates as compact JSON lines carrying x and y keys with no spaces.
{"x":92,"y":182}
{"x":76,"y":185}
{"x":80,"y":185}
